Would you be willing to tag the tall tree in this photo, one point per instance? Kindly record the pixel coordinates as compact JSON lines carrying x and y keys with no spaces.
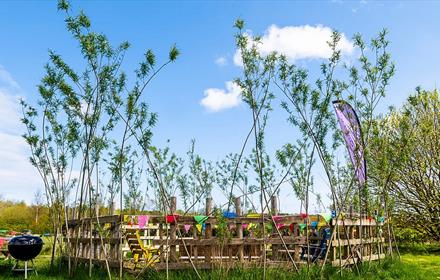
{"x":405,"y":162}
{"x":71,"y":129}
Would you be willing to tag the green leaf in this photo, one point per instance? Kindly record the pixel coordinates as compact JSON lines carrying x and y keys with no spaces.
{"x":174,"y":53}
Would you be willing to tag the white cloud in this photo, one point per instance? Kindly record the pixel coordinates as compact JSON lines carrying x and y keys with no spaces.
{"x":237,"y":58}
{"x":19,"y":178}
{"x":9,"y":112}
{"x":299,"y":42}
{"x":221,"y":61}
{"x":6,"y":78}
{"x":217,"y":99}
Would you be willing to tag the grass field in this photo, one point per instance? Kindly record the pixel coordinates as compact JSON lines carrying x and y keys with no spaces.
{"x":425,"y":257}
{"x":422,"y":265}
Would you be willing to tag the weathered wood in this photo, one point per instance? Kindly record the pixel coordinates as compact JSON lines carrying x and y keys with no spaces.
{"x":350,"y":222}
{"x":161,"y":238}
{"x":102,"y":220}
{"x":208,"y":230}
{"x":274,"y":205}
{"x":212,"y":241}
{"x":194,"y":247}
{"x":355,"y":259}
{"x":158,"y":219}
{"x":239,"y":229}
{"x":351,"y":242}
{"x":173,"y":230}
{"x":208,"y":250}
{"x":110,"y":240}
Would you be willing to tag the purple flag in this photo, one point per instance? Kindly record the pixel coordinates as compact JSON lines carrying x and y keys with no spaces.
{"x":352,"y":133}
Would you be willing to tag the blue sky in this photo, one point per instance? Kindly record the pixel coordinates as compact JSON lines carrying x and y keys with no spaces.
{"x":203,"y":32}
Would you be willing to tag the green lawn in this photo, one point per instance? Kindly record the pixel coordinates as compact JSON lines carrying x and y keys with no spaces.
{"x":411,"y":267}
{"x":429,"y":264}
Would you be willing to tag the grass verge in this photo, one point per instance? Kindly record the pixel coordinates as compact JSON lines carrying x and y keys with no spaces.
{"x":411,"y":267}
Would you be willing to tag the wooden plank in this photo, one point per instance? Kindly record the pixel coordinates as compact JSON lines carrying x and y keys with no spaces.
{"x":234,"y":241}
{"x":353,"y":260}
{"x":344,"y":242}
{"x":102,"y":220}
{"x":350,"y":222}
{"x":86,"y":240}
{"x":158,"y":219}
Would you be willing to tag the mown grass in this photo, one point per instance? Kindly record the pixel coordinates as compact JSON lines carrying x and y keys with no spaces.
{"x":386,"y":269}
{"x":412,"y":267}
{"x":415,"y":264}
{"x":424,"y":256}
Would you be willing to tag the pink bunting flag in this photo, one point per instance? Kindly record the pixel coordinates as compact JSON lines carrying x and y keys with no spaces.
{"x":186,"y":228}
{"x":244,"y":226}
{"x":279,"y":226}
{"x":277,"y":219}
{"x":142,"y":220}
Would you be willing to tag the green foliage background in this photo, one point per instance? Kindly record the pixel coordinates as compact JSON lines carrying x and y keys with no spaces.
{"x":17,"y":216}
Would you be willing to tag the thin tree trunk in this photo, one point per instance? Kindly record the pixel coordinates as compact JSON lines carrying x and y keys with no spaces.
{"x":53,"y":249}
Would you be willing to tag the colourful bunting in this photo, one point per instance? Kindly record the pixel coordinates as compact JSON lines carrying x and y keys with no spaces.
{"x":186,"y":228}
{"x":200,"y":219}
{"x":143,"y":221}
{"x":327,"y":216}
{"x":253,"y":215}
{"x":171,"y":219}
{"x":199,"y":228}
{"x":229,"y":215}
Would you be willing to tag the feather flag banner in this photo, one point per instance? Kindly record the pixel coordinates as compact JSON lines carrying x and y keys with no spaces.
{"x":352,"y":133}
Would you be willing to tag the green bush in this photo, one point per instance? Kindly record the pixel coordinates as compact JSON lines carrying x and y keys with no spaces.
{"x":409,"y":235}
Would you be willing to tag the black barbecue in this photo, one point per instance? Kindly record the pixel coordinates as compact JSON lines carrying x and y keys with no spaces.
{"x":25,"y":247}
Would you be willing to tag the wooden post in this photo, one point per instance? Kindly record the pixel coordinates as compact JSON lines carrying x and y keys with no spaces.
{"x":84,"y":253}
{"x":173,"y":228}
{"x":274,"y":211}
{"x":194,"y":248}
{"x":274,"y":205}
{"x":296,"y":233}
{"x":208,"y":230}
{"x":112,"y":208}
{"x":162,"y":255}
{"x":239,"y":229}
{"x":208,"y":209}
{"x":96,"y":246}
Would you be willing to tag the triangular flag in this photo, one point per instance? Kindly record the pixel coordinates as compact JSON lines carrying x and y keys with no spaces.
{"x":186,"y":228}
{"x":143,"y":220}
{"x":200,"y":219}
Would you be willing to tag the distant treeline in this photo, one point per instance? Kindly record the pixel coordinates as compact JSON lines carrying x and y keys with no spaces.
{"x":18,"y":216}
